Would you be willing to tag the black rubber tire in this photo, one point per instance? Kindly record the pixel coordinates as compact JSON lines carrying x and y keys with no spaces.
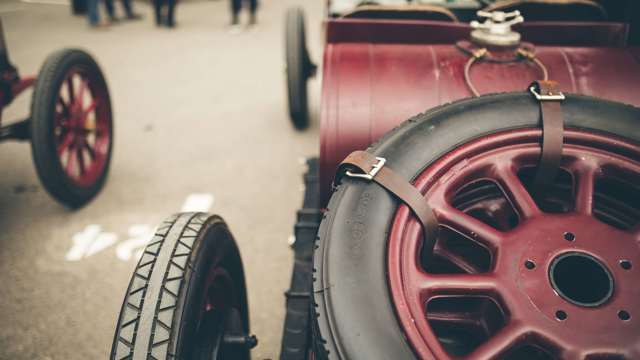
{"x":45,"y":156}
{"x":162,"y":307}
{"x":298,"y":67}
{"x":354,"y":315}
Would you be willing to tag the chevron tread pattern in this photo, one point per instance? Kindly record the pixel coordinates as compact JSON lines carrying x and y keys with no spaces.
{"x":146,"y":322}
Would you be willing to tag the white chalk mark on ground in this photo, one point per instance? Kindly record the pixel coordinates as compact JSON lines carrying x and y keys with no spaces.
{"x":197,"y":202}
{"x":93,"y":240}
{"x":89,"y":242}
{"x":139,"y":237}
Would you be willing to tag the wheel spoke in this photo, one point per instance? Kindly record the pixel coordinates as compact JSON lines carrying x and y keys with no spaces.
{"x":65,"y":107}
{"x":450,"y":317}
{"x":70,"y":89}
{"x":457,"y":260}
{"x":70,"y":161}
{"x":89,"y":109}
{"x":459,"y":284}
{"x":515,"y":191}
{"x":59,"y":119}
{"x":80,"y":159}
{"x":506,"y":338}
{"x":81,"y":92}
{"x":65,"y":144}
{"x":90,"y":150}
{"x":469,"y":226}
{"x":585,"y":174}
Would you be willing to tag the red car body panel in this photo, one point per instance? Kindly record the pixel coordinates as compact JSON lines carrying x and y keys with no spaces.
{"x":378,"y":73}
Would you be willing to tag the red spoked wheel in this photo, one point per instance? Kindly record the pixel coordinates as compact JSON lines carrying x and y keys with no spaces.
{"x":513,"y":275}
{"x":82,"y":128}
{"x":72,"y":127}
{"x":522,"y":276}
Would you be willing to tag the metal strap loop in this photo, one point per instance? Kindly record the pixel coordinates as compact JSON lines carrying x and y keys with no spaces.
{"x":362,"y":165}
{"x":549,"y":96}
{"x":479,"y":54}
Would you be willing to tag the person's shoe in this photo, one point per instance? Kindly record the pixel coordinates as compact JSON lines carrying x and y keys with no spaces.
{"x":235,"y":29}
{"x":253,"y":20}
{"x":134,"y":16}
{"x":114,"y":19}
{"x":100,"y":25}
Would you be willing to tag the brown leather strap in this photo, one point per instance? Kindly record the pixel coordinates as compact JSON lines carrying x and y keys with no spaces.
{"x":363,"y":165}
{"x":550,"y":98}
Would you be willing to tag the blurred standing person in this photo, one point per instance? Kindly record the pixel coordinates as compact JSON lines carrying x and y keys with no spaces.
{"x":93,"y":14}
{"x":236,"y":6}
{"x":165,"y":12}
{"x":128,"y":11}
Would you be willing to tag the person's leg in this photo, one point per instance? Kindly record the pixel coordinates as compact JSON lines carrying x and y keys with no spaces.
{"x":171,"y":8}
{"x":128,"y":10}
{"x":157,"y":6}
{"x":108,"y":4}
{"x":235,"y":11}
{"x":92,"y":12}
{"x":253,"y":8}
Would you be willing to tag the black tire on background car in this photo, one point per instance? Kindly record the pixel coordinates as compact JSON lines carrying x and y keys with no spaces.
{"x":52,"y":122}
{"x":186,"y":293}
{"x":354,"y":313}
{"x":299,"y":67}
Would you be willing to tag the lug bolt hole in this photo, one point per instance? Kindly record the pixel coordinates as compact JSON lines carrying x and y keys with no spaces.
{"x":561,"y":315}
{"x":625,"y":264}
{"x":569,"y":236}
{"x":529,"y":264}
{"x":623,"y":315}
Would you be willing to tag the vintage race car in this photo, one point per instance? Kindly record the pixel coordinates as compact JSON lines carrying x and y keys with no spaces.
{"x":70,"y":124}
{"x":476,"y":197}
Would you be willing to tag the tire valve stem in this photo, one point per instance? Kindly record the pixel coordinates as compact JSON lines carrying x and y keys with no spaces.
{"x":248,"y":341}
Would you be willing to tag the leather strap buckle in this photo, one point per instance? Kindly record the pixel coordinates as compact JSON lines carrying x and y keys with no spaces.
{"x":559,"y":96}
{"x":369,"y":166}
{"x":372,"y":173}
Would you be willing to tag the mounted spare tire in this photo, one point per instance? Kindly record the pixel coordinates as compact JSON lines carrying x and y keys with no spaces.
{"x":299,"y":67}
{"x":513,"y":275}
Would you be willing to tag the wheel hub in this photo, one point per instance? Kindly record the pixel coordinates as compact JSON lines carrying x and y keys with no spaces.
{"x":576,"y":287}
{"x":568,"y":273}
{"x":549,"y":273}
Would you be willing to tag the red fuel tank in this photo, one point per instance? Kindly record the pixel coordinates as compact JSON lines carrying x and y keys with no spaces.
{"x":378,"y":73}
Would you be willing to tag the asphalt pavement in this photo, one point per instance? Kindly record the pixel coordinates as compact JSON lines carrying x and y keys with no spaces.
{"x":200,"y":123}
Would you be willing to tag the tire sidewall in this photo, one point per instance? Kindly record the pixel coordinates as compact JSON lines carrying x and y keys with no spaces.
{"x":216,"y":244}
{"x":354,"y":311}
{"x":297,"y":63}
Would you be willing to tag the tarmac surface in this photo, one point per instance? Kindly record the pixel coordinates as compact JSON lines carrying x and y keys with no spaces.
{"x":200,"y":122}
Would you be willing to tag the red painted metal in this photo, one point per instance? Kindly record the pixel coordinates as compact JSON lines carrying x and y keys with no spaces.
{"x":16,"y":89}
{"x":23,"y":84}
{"x":525,"y":295}
{"x":378,"y":73}
{"x":81,"y":127}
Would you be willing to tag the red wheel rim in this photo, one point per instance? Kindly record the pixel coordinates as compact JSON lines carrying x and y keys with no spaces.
{"x":82,"y":127}
{"x":520,"y":291}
